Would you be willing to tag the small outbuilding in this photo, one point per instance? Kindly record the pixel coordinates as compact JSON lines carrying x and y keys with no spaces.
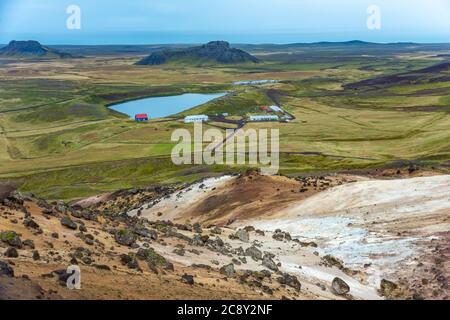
{"x":141,"y":117}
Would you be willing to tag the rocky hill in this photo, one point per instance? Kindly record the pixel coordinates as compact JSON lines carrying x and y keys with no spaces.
{"x":213,"y":52}
{"x":32,"y":49}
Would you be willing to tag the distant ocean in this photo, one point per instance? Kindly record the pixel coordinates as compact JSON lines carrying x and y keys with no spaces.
{"x":153,"y":37}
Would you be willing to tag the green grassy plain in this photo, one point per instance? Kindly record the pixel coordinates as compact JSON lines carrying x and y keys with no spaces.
{"x":59,"y":139}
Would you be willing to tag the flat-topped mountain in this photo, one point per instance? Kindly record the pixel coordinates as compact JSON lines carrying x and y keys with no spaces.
{"x":212,"y":52}
{"x":30,"y":49}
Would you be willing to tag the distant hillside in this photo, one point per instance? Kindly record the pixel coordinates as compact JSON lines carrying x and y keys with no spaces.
{"x":32,"y":49}
{"x":212,"y":52}
{"x":436,"y":73}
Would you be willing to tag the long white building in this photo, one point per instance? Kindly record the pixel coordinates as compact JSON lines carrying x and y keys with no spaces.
{"x":254,"y":82}
{"x":196,"y":118}
{"x":276,"y":109}
{"x":264,"y":118}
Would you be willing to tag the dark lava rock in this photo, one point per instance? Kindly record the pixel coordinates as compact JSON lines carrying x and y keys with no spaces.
{"x":188,"y":279}
{"x":36,"y":255}
{"x":169,"y":266}
{"x":281,"y":236}
{"x":125,"y":237}
{"x":146,"y":233}
{"x":31,"y":224}
{"x":67,"y":222}
{"x":11,"y":238}
{"x":130,"y":261}
{"x":331,"y":261}
{"x":269,"y":263}
{"x":29,"y":244}
{"x":228,"y":270}
{"x":254,"y":253}
{"x":6,"y":270}
{"x":179,"y":251}
{"x":63,"y":276}
{"x":216,"y":230}
{"x":340,"y":287}
{"x":11,"y":252}
{"x":152,"y":258}
{"x":197,"y":228}
{"x":387,"y":287}
{"x":242,"y":235}
{"x":290,"y":280}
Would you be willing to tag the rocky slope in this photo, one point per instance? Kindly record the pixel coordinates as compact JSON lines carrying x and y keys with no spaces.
{"x":234,"y":237}
{"x":213,"y":52}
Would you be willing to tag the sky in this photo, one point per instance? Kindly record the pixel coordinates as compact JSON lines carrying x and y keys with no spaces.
{"x":237,"y":21}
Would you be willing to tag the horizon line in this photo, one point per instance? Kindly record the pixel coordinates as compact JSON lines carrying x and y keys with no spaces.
{"x":240,"y":43}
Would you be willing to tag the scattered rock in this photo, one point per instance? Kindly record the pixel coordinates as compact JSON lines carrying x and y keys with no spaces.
{"x":179,"y":251}
{"x":31,"y":224}
{"x":146,"y":233}
{"x":269,"y":263}
{"x":236,"y":262}
{"x":6,"y":270}
{"x":130,"y":261}
{"x":260,"y":232}
{"x":242,"y":235}
{"x":290,"y":280}
{"x":281,"y":236}
{"x":11,"y":252}
{"x":188,"y":279}
{"x":11,"y":238}
{"x":29,"y":244}
{"x":321,"y":286}
{"x":152,"y":258}
{"x":331,"y":261}
{"x":67,"y":222}
{"x":216,"y":230}
{"x":63,"y":276}
{"x":125,"y":237}
{"x":169,"y":266}
{"x":387,"y":287}
{"x":228,"y":270}
{"x":36,"y":255}
{"x":340,"y":287}
{"x":197,"y":228}
{"x":254,"y":253}
{"x":249,"y":228}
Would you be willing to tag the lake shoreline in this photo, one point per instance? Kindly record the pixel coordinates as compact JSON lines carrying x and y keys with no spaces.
{"x":175,"y":107}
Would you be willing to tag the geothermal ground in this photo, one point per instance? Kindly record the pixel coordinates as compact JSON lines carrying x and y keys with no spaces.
{"x":236,"y":237}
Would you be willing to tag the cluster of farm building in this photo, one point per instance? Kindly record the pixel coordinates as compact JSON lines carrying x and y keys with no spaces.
{"x":268,"y":113}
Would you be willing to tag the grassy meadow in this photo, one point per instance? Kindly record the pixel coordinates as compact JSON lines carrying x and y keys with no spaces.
{"x":59,"y":139}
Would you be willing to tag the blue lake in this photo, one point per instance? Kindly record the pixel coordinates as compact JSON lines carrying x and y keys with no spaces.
{"x":160,"y":107}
